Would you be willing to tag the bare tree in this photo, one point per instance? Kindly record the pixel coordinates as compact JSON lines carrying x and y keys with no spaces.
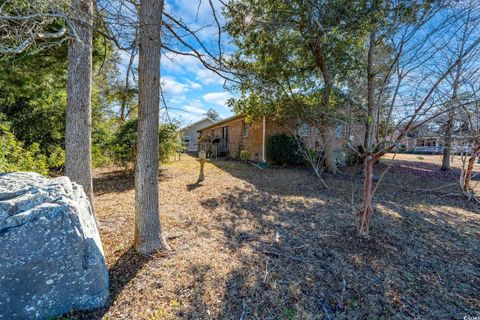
{"x":467,"y":31}
{"x":470,"y":116}
{"x":415,"y":54}
{"x":148,"y":231}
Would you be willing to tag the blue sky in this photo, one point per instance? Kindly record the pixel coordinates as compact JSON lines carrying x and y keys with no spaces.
{"x":189,"y":88}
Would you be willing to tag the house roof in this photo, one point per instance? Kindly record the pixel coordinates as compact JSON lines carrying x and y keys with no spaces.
{"x":195,"y":123}
{"x":230,"y":119}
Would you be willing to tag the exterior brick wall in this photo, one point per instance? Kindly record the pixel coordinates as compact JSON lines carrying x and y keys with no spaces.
{"x":253,"y":142}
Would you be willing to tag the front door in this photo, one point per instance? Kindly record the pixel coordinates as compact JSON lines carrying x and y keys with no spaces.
{"x":225,"y":138}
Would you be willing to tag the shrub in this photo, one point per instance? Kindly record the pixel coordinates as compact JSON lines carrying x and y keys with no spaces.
{"x":284,"y":149}
{"x":244,"y":155}
{"x":14,"y":156}
{"x":124,"y":142}
{"x":169,"y":142}
{"x":56,"y":159}
{"x":102,"y":141}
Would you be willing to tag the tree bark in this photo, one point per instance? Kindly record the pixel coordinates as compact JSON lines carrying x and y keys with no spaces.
{"x":328,"y":134}
{"x":468,"y":172}
{"x":78,"y":159}
{"x":367,"y":208}
{"x":368,"y":157}
{"x":148,"y":231}
{"x":328,"y":137}
{"x":447,"y":148}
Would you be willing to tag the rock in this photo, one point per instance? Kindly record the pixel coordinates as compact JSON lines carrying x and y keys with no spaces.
{"x":51,"y":257}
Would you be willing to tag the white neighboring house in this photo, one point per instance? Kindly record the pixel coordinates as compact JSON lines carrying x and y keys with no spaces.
{"x":189,"y":135}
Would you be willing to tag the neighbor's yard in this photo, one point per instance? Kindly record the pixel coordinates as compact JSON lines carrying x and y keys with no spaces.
{"x":274,"y":244}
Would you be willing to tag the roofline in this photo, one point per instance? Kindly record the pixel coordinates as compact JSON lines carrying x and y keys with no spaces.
{"x":235,"y":117}
{"x":192,"y":124}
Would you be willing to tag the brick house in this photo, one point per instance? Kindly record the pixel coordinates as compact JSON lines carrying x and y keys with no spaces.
{"x":234,"y":134}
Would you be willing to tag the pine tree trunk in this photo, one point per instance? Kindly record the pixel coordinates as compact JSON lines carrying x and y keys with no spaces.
{"x":78,"y":159}
{"x":148,"y":231}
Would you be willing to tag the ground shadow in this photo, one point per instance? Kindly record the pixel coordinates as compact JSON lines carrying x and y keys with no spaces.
{"x":307,"y":261}
{"x":193,"y":186}
{"x":114,"y":182}
{"x":118,"y":181}
{"x":120,"y":274}
{"x":426,"y":170}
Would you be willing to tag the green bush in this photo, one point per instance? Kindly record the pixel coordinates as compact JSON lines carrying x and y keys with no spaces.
{"x":244,"y":155}
{"x":56,"y":159}
{"x":124,"y":142}
{"x":14,"y":156}
{"x":169,"y":142}
{"x":102,"y":141}
{"x":284,"y":149}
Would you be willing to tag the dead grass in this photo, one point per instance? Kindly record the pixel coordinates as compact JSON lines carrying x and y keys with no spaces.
{"x":273,"y":244}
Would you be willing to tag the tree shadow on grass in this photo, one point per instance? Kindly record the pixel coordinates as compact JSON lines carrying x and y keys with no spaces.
{"x":120,"y":274}
{"x":193,"y":186}
{"x":301,"y":258}
{"x":114,"y":182}
{"x":426,"y":170}
{"x":118,"y":181}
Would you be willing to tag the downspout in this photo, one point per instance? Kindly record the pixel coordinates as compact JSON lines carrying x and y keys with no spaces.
{"x":263,"y":140}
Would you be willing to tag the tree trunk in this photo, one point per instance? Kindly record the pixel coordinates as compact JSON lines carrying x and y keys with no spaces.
{"x":148,"y":231}
{"x":78,"y":159}
{"x":328,"y":137}
{"x":202,"y":156}
{"x":327,"y":132}
{"x":368,"y":158}
{"x":468,"y":172}
{"x":447,"y":149}
{"x":367,"y":208}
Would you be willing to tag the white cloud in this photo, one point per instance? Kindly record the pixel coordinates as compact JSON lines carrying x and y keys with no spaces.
{"x":192,"y":112}
{"x":193,"y":85}
{"x":176,"y":90}
{"x":172,"y":86}
{"x":219,"y":98}
{"x":184,"y":64}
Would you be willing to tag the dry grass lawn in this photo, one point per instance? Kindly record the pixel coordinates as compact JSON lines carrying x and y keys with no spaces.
{"x":274,"y":244}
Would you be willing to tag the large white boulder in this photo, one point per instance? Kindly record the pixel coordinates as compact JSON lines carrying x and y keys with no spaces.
{"x":51,"y":257}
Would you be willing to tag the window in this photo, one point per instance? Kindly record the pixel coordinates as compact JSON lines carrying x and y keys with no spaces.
{"x":246,"y":126}
{"x":186,"y":140}
{"x":340,"y":130}
{"x":304,"y":130}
